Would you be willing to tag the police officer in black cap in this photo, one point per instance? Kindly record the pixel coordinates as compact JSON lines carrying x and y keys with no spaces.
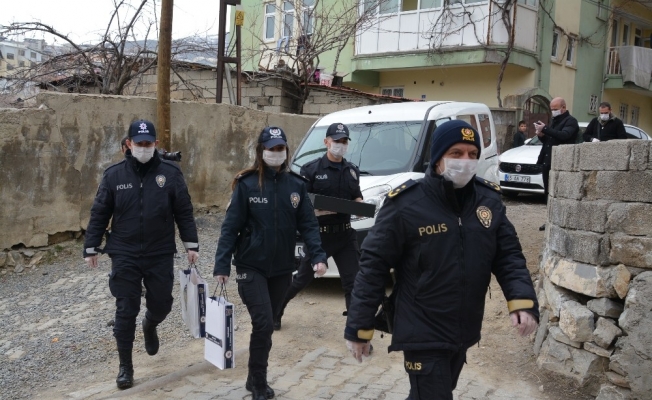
{"x":268,"y":206}
{"x":444,"y":235}
{"x":143,"y":196}
{"x":331,"y":175}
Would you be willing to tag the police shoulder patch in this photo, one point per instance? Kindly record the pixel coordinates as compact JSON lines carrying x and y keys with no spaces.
{"x":402,"y":188}
{"x":488,"y":184}
{"x":303,"y":178}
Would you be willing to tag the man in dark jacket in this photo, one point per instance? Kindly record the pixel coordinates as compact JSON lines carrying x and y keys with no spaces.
{"x":444,"y":235}
{"x":605,"y":127}
{"x":564,"y":130}
{"x":143,"y":196}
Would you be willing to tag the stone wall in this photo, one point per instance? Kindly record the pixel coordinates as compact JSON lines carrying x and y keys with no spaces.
{"x":596,"y":270}
{"x":52,"y":157}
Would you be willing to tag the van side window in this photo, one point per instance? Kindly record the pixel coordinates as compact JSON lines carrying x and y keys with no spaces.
{"x":485,"y":128}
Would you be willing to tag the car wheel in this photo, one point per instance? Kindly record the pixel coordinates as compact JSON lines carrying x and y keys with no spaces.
{"x":510,"y":194}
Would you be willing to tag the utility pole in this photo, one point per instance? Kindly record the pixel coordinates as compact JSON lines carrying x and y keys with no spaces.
{"x":163,"y":75}
{"x":221,"y":53}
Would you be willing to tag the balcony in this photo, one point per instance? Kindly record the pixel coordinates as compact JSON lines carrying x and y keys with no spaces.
{"x":465,"y":34}
{"x":629,"y":67}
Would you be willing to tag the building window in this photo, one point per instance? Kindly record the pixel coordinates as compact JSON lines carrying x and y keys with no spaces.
{"x":409,"y":5}
{"x":270,"y":19}
{"x":308,"y":21}
{"x":369,"y":7}
{"x":555,"y":45}
{"x":392,"y":91}
{"x":21,"y":63}
{"x":21,"y":53}
{"x":425,"y":4}
{"x":625,"y":41}
{"x":623,"y":112}
{"x":638,"y":37}
{"x":602,"y":10}
{"x":614,"y":33}
{"x":570,"y":52}
{"x":10,"y":56}
{"x":634,"y":119}
{"x":389,"y":6}
{"x":9,"y":67}
{"x":32,"y":54}
{"x":593,"y":104}
{"x":532,"y":3}
{"x":288,"y":18}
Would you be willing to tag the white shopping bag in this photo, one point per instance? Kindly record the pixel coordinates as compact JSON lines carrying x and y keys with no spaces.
{"x":193,"y":301}
{"x":219,"y":345}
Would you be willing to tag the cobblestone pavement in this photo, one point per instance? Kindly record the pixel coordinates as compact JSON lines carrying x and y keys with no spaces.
{"x":321,"y":374}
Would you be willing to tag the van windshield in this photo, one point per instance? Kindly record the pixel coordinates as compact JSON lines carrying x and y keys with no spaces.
{"x":381,"y":148}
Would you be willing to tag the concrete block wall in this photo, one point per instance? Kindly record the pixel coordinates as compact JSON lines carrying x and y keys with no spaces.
{"x":52,"y":157}
{"x":596,"y":291}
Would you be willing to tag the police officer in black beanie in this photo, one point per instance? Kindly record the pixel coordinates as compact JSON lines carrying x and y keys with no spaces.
{"x":444,"y":235}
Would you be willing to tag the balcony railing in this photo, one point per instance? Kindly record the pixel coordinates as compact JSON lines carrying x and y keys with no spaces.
{"x":634,"y":63}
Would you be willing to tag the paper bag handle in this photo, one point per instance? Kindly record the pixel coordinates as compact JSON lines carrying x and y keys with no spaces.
{"x":223,"y":292}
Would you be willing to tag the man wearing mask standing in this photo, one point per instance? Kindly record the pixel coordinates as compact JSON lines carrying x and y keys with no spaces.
{"x":143,"y":196}
{"x":444,"y":235}
{"x":564,"y":130}
{"x":605,"y":127}
{"x":331,"y":175}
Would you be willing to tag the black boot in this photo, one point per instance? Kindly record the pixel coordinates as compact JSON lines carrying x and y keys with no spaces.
{"x":257,"y":385}
{"x":279,"y":315}
{"x":125,"y":378}
{"x":151,"y":338}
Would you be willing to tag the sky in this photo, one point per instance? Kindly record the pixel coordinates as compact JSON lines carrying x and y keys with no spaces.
{"x":85,"y":20}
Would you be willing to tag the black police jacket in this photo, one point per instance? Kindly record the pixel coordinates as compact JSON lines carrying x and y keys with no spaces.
{"x":443,"y":260}
{"x":564,"y":130}
{"x":142,"y":210}
{"x":328,"y":180}
{"x":260,"y":226}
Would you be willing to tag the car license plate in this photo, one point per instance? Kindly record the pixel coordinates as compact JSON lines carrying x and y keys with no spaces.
{"x":517,"y":178}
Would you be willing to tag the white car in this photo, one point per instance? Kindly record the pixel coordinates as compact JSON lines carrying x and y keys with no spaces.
{"x":518,"y":171}
{"x":390,"y":143}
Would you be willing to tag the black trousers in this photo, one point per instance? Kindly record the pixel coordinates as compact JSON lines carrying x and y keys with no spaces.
{"x":128,"y":274}
{"x":545,"y":175}
{"x":263,"y":297}
{"x":433,"y":373}
{"x":344,"y":249}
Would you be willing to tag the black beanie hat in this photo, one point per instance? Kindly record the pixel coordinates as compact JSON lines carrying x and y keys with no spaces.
{"x":450,"y":133}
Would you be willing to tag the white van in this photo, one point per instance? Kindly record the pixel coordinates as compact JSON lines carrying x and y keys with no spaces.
{"x":390,"y":143}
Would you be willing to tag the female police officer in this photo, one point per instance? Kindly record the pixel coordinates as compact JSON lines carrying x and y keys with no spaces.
{"x":269,"y":204}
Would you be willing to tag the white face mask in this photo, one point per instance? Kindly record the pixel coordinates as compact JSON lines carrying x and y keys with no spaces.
{"x":556,"y":113}
{"x":338,"y":149}
{"x":458,"y":171}
{"x":604,"y":117}
{"x":142,"y":154}
{"x":274,"y":158}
